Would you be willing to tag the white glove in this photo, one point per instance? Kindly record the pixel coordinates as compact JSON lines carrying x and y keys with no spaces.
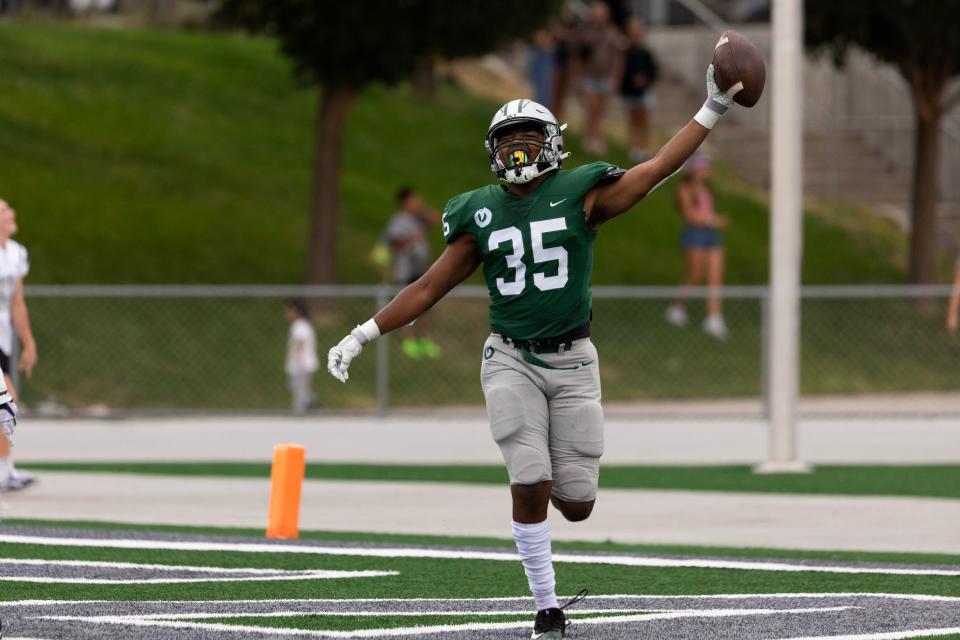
{"x":716,"y":104}
{"x":8,"y":419}
{"x":339,"y":357}
{"x":713,"y":89}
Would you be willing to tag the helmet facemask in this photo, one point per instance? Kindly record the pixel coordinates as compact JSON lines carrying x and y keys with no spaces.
{"x":520,"y":159}
{"x":517,"y":157}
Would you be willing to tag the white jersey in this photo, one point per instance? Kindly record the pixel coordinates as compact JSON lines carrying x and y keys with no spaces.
{"x":14,"y":265}
{"x":302,"y":348}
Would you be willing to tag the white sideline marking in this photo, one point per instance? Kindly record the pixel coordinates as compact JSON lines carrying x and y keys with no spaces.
{"x":399,"y":614}
{"x":442,"y":554}
{"x":891,"y":635}
{"x":712,"y":596}
{"x":261,"y":575}
{"x":384,"y":613}
{"x":141,"y":621}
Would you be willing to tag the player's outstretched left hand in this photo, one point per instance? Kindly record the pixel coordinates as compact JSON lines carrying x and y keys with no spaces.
{"x":8,"y":420}
{"x":339,"y":357}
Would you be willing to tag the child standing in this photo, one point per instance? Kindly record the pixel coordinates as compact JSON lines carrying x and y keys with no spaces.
{"x":302,"y":359}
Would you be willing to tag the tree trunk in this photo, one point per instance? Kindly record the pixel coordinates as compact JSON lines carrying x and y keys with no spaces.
{"x":332,"y":108}
{"x":925,"y":195}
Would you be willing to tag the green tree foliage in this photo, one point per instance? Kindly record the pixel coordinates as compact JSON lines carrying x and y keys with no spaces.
{"x":346,"y":46}
{"x":921,"y":39}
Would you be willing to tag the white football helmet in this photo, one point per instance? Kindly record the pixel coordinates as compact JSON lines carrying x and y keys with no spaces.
{"x":520,"y":160}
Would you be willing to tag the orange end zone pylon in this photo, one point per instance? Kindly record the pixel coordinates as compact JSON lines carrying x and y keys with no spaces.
{"x":286,"y":480}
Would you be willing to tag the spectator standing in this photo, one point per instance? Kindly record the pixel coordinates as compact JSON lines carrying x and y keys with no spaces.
{"x":406,"y":235}
{"x":302,"y":361}
{"x":601,"y":49}
{"x":14,"y":266}
{"x":564,"y":34}
{"x":541,"y":66}
{"x":702,"y":245}
{"x":639,"y":75}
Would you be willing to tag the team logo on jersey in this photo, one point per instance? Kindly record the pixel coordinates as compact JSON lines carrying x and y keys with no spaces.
{"x":488,"y":353}
{"x":483,"y":217}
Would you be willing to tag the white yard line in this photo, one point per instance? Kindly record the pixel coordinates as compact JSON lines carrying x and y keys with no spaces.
{"x":308,"y":575}
{"x":266,"y":575}
{"x":392,"y":613}
{"x":891,"y":635}
{"x":444,"y":554}
{"x":136,"y":565}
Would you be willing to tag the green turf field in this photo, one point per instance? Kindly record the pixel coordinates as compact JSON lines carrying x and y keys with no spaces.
{"x":936,"y":481}
{"x":136,"y":582}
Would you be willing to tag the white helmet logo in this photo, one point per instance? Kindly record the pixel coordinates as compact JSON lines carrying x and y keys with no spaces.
{"x":483,"y":217}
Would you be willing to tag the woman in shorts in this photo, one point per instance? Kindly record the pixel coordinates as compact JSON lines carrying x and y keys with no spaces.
{"x":702,"y":245}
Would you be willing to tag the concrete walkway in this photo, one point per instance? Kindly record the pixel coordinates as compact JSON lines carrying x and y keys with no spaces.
{"x":464,"y":437}
{"x":655,"y":517}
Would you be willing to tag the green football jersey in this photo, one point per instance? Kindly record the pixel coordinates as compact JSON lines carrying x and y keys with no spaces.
{"x":537,"y":251}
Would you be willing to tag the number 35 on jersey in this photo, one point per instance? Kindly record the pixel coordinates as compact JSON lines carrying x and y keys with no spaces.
{"x":537,"y":251}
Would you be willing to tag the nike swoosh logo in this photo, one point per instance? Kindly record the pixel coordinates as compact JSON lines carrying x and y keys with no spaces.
{"x":553,"y":204}
{"x":586,"y":362}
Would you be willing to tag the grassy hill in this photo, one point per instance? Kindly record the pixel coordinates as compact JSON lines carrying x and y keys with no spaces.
{"x":152,"y":157}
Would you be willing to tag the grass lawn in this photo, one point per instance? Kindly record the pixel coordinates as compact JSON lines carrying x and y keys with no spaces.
{"x":140,"y":156}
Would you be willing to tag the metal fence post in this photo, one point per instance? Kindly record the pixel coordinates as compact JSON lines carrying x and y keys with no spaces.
{"x":765,"y":353}
{"x":383,"y":358}
{"x":786,"y":231}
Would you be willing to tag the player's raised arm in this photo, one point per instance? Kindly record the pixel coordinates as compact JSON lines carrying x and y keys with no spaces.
{"x":610,"y":200}
{"x":454,"y":265}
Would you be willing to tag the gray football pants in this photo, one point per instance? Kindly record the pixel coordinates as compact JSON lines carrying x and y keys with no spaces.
{"x":548,"y":422}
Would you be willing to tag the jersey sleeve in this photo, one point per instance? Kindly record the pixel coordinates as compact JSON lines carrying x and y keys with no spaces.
{"x":456,"y":221}
{"x":596,"y":173}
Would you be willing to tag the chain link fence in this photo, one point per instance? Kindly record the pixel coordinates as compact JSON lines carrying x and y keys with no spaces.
{"x":116,"y":350}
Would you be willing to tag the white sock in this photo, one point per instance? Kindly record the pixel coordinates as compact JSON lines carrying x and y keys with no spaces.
{"x":6,"y":468}
{"x":533,"y":545}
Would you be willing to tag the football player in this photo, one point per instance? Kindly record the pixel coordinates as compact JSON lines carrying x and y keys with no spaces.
{"x":14,"y":265}
{"x":534,"y":235}
{"x":8,"y":414}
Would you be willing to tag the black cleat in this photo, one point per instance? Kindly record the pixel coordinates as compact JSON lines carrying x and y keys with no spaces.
{"x":552,"y":623}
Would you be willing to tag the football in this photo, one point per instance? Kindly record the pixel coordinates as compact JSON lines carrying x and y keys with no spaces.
{"x":736,"y":61}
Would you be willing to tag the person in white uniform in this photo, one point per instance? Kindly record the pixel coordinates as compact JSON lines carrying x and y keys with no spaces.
{"x":302,"y":361}
{"x":14,"y":266}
